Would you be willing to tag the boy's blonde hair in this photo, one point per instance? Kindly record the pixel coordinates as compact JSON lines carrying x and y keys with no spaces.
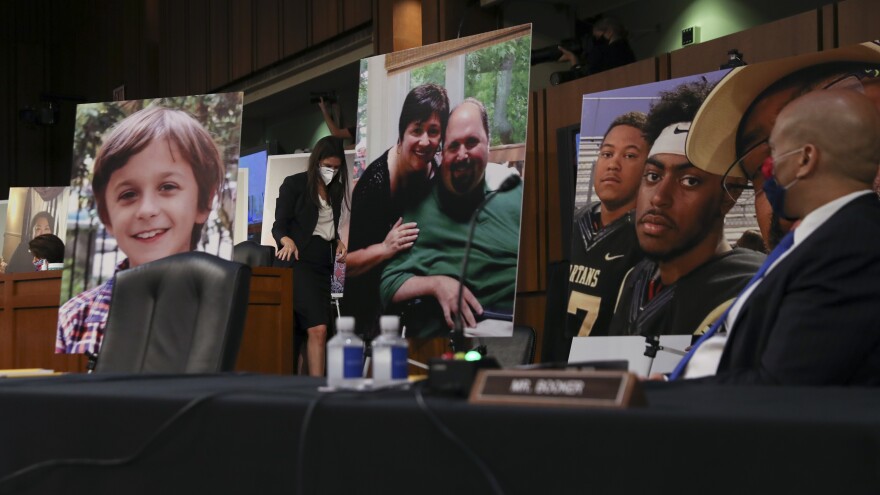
{"x":134,"y":133}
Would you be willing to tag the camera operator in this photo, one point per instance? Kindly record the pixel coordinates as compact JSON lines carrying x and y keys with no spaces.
{"x":607,"y":48}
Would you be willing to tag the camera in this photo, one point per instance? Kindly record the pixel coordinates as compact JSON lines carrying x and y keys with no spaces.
{"x":563,"y":76}
{"x":734,"y":59}
{"x":552,"y":53}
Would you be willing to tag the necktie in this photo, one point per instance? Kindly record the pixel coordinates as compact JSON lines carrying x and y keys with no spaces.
{"x":774,"y":255}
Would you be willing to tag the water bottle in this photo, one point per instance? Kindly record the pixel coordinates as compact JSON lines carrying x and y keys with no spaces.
{"x":389,"y":354}
{"x":345,"y":356}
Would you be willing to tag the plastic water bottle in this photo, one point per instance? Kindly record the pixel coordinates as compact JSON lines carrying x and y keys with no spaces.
{"x":345,"y":356}
{"x":389,"y":354}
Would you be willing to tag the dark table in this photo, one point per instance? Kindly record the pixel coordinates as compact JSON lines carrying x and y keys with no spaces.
{"x":245,"y":434}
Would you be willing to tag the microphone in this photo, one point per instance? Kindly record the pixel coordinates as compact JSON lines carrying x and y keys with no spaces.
{"x":456,"y":337}
{"x":509,"y":183}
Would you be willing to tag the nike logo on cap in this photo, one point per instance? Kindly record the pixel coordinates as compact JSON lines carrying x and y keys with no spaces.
{"x":680,"y":131}
{"x":608,"y":257}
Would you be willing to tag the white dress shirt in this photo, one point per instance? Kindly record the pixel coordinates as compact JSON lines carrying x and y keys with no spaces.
{"x":324,"y":228}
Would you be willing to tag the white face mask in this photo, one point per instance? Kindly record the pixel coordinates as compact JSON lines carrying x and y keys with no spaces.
{"x":328,"y":174}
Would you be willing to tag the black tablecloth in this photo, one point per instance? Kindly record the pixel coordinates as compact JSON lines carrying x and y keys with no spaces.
{"x":244,"y":435}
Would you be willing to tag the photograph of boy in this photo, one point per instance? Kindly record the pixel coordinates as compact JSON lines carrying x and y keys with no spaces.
{"x":155,"y":183}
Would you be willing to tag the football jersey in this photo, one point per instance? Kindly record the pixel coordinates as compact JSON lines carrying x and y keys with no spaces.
{"x":600,"y":259}
{"x":690,"y":305}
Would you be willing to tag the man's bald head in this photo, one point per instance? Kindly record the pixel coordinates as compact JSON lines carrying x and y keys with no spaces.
{"x":843,"y":125}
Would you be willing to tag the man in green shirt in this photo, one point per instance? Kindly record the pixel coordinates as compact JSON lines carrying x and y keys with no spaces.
{"x":430,"y":269}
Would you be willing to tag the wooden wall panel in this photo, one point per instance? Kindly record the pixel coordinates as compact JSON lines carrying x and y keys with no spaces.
{"x":8,"y":115}
{"x":828,"y":22}
{"x":241,"y":37}
{"x":857,"y":21}
{"x":30,"y":139}
{"x":325,"y":20}
{"x":62,"y":77}
{"x":295,"y":26}
{"x":218,"y":44}
{"x":430,"y":22}
{"x":355,"y":13}
{"x":173,"y":48}
{"x":531,"y":241}
{"x":267,"y":342}
{"x":783,"y":38}
{"x":267,"y":25}
{"x":28,"y":321}
{"x":132,"y":52}
{"x":407,"y":24}
{"x":113,"y":46}
{"x":197,"y":47}
{"x":148,"y":69}
{"x":383,"y":38}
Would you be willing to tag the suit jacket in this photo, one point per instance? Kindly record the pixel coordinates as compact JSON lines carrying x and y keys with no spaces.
{"x":296,"y":215}
{"x":815,"y":318}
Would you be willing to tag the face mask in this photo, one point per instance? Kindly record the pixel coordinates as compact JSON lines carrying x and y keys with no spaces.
{"x":328,"y":174}
{"x":773,"y":190}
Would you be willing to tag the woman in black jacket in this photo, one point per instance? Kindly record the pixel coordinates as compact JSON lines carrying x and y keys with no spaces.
{"x":306,"y":221}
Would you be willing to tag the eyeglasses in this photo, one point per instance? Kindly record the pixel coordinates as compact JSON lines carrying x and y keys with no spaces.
{"x":853,"y":80}
{"x":761,"y":148}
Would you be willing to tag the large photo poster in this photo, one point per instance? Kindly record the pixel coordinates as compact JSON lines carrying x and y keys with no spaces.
{"x":441,"y":129}
{"x":600,"y":110}
{"x":151,"y":178}
{"x":33,"y":212}
{"x":613,"y":149}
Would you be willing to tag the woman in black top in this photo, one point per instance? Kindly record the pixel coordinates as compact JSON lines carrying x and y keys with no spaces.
{"x":393,"y":181}
{"x":305,"y":229}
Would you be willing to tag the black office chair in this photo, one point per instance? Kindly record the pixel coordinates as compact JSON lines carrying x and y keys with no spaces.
{"x":180,"y":314}
{"x":512,"y":351}
{"x":252,"y":254}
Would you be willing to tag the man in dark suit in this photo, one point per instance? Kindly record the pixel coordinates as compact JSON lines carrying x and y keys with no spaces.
{"x":812,"y":318}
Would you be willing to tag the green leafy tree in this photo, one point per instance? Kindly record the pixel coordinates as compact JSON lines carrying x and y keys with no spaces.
{"x":431,"y":73}
{"x":498,"y":76}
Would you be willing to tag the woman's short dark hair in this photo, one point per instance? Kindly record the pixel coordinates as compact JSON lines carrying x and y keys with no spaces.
{"x":422,"y":102}
{"x":47,"y":247}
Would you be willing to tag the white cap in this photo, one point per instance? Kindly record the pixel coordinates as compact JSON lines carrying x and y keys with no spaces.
{"x":345,"y":324}
{"x":389,"y":323}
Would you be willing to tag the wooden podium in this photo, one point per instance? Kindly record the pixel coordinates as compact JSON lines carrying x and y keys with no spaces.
{"x":29,"y":315}
{"x":28,"y":319}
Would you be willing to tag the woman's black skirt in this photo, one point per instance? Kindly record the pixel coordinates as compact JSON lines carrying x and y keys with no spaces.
{"x":311,"y":283}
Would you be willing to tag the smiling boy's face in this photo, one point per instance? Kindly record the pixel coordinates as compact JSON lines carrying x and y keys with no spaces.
{"x":152,"y":204}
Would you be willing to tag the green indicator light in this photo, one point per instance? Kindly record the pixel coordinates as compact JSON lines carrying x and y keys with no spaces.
{"x":473,"y":356}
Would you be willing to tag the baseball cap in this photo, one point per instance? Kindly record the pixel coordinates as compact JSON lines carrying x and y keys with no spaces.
{"x":711,"y":142}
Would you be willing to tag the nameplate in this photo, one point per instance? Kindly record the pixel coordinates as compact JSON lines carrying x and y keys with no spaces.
{"x":557,"y":388}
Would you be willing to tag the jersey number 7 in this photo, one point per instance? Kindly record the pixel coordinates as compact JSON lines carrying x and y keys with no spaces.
{"x":584,"y":302}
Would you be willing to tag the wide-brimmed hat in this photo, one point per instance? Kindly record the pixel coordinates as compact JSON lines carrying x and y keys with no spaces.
{"x":711,"y":143}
